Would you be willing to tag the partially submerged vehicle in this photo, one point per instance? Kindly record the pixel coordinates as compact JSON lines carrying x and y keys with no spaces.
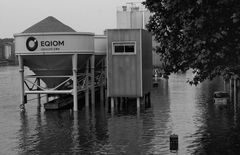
{"x":221,"y":97}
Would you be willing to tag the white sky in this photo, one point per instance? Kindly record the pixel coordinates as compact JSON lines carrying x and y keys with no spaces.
{"x":82,"y":15}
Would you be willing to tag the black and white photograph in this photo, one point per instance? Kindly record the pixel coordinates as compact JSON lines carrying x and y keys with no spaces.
{"x":119,"y":77}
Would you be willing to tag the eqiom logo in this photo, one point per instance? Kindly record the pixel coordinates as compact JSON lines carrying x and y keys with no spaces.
{"x":32,"y":44}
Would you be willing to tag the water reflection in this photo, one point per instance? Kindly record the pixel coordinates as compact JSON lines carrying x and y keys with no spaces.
{"x":156,"y":121}
{"x":176,"y":107}
{"x":217,"y":125}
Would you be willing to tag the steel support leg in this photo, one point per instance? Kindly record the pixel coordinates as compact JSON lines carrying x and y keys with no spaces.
{"x":38,"y":95}
{"x":230,"y":89}
{"x":21,"y":71}
{"x":74,"y":69}
{"x":87,"y":81}
{"x":102,"y":84}
{"x":92,"y":79}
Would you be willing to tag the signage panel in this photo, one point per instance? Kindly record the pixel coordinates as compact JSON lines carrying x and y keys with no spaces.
{"x":58,"y":42}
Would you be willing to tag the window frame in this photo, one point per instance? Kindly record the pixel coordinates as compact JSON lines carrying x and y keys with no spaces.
{"x":124,"y":43}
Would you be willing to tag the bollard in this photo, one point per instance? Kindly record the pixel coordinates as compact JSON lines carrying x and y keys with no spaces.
{"x":173,"y":142}
{"x":25,"y":99}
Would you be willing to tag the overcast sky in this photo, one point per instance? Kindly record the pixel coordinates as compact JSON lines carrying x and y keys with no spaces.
{"x":82,"y":15}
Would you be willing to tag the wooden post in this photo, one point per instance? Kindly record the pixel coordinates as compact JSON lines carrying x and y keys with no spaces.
{"x":87,"y":81}
{"x":74,"y":70}
{"x":21,"y":71}
{"x":38,"y":95}
{"x":92,"y":79}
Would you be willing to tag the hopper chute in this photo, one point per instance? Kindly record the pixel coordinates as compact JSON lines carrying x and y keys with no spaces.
{"x":50,"y":48}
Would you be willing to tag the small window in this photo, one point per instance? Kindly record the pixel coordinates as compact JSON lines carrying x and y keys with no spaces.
{"x":119,"y":49}
{"x":124,"y":47}
{"x":129,"y":48}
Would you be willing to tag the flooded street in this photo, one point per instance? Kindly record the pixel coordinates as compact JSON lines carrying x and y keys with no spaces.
{"x":176,"y":107}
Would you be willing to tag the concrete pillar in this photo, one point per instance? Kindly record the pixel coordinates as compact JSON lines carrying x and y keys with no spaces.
{"x":87,"y":81}
{"x":21,"y":71}
{"x":38,"y":95}
{"x":74,"y":70}
{"x":92,"y":79}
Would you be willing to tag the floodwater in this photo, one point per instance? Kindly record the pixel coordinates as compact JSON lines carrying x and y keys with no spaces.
{"x":176,"y":107}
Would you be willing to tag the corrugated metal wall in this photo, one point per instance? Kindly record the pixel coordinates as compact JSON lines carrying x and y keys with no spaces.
{"x":124,"y":71}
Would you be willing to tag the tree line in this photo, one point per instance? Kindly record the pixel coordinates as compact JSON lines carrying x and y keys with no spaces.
{"x":202,"y":35}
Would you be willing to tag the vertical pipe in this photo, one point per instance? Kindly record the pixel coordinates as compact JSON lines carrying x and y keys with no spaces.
{"x":230,"y":89}
{"x":235,"y":91}
{"x":143,"y":20}
{"x":38,"y":95}
{"x":105,"y":80}
{"x":92,"y":80}
{"x":21,"y":71}
{"x":87,"y":81}
{"x":224,"y":84}
{"x":74,"y":69}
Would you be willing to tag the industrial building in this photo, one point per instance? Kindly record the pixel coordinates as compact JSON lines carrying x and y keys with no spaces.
{"x":129,"y":67}
{"x":69,"y":63}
